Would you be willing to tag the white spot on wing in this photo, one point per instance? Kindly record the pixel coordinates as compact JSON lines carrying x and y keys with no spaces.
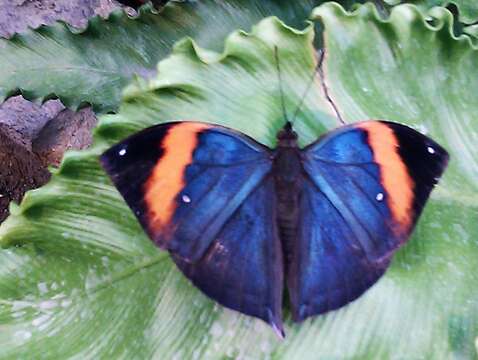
{"x":431,"y":150}
{"x":122,"y":152}
{"x":186,"y":199}
{"x":379,"y":197}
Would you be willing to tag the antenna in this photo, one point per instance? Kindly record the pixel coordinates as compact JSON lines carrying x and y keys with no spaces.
{"x":309,"y":84}
{"x":276,"y":56}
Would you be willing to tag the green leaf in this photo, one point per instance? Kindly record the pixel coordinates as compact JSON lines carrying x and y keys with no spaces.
{"x":85,"y":281}
{"x":93,"y":65}
{"x":467,"y":9}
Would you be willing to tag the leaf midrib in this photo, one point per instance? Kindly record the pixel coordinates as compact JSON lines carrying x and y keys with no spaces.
{"x":129,"y":272}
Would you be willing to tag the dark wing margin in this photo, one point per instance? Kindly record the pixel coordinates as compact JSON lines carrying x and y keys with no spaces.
{"x":365,"y":186}
{"x":243,"y":267}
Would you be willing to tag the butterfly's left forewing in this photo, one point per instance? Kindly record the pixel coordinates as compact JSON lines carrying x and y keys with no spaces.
{"x":184,"y":180}
{"x":364,"y":188}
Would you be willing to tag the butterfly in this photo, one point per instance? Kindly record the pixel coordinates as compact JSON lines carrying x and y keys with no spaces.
{"x":241,"y":219}
{"x":248,"y":224}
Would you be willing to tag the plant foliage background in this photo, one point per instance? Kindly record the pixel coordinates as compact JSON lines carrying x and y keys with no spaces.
{"x":78,"y":277}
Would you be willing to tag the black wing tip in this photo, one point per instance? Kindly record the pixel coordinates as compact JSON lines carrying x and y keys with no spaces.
{"x":107,"y":158}
{"x":114,"y":159}
{"x":405,"y":134}
{"x":425,"y":159}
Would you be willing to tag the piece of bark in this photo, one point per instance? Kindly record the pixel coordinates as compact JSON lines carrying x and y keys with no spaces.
{"x":26,"y":150}
{"x":28,"y":118}
{"x":18,"y":15}
{"x":20,"y":168}
{"x":21,"y":121}
{"x":68,"y":130}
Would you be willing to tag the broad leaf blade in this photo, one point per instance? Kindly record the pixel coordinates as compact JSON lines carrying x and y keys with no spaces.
{"x":142,"y":306}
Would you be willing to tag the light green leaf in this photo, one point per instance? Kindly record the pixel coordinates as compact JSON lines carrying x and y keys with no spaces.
{"x":87,"y":283}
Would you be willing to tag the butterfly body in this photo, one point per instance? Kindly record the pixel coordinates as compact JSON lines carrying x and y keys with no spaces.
{"x":288,"y":172}
{"x":243,"y":221}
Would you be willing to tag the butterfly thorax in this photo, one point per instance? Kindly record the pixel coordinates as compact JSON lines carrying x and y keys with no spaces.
{"x":288,"y":183}
{"x":287,"y":164}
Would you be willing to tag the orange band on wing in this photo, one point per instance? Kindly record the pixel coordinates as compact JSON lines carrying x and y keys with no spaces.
{"x":393,"y":172}
{"x":167,"y":177}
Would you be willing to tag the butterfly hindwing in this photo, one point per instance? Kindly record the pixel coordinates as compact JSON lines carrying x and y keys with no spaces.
{"x":364,"y":188}
{"x":329,"y":265}
{"x":243,"y":267}
{"x":184,"y":180}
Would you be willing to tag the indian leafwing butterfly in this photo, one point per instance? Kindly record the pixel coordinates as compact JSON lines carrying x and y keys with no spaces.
{"x":241,"y":220}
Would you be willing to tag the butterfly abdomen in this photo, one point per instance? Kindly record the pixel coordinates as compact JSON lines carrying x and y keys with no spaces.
{"x":288,"y":183}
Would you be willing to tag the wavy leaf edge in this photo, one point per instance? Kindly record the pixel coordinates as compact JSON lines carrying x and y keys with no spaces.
{"x":441,"y":14}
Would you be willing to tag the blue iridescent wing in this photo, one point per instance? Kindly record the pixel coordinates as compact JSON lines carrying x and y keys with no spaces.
{"x":184,"y":180}
{"x":203,"y":192}
{"x":364,"y":187}
{"x":243,"y":268}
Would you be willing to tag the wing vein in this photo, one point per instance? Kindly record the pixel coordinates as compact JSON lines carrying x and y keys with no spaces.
{"x":234,"y":202}
{"x":352,"y":218}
